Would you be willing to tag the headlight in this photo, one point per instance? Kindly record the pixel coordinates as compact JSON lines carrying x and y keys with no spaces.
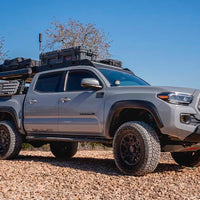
{"x":176,"y":97}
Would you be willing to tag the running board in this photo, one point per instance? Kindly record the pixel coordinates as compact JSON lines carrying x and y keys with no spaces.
{"x":67,"y":139}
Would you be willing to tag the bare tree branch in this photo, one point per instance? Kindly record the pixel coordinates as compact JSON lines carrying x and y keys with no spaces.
{"x":74,"y":33}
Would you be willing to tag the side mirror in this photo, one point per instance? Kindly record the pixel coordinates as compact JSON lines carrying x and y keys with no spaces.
{"x":91,"y":83}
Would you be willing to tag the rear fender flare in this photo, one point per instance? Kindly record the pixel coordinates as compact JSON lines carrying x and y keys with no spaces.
{"x":12,"y":112}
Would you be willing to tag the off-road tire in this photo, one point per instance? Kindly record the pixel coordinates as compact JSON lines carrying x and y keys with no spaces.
{"x":188,"y":159}
{"x":143,"y":147}
{"x":13,"y":140}
{"x":64,"y":150}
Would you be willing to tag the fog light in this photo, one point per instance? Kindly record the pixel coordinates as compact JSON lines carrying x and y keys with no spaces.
{"x":185,"y":118}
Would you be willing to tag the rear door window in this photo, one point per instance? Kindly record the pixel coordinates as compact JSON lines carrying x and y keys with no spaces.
{"x":51,"y":82}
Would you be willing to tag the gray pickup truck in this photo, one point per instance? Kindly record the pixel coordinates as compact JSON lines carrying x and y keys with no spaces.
{"x":105,"y":104}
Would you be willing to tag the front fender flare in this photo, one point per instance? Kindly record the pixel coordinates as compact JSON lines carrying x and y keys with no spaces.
{"x":134,"y":104}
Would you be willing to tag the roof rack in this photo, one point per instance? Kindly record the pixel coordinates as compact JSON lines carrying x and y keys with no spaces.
{"x":112,"y":62}
{"x":24,"y":69}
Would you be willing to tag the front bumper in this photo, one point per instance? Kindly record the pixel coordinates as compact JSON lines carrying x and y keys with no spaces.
{"x":170,"y":116}
{"x":172,"y":124}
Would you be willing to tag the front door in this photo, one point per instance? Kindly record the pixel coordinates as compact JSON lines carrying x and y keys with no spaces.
{"x":41,"y":104}
{"x":80,"y":109}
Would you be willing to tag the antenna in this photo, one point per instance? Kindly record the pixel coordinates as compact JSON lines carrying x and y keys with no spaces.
{"x":40,"y":43}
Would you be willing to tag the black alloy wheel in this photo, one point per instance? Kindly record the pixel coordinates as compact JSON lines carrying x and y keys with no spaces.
{"x":130,"y":149}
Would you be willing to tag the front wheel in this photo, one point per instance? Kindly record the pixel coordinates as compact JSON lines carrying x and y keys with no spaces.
{"x":188,"y":159}
{"x":136,"y":148}
{"x":64,"y":150}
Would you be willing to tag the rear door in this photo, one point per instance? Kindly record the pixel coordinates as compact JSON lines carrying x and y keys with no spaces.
{"x":82,"y":112}
{"x":41,"y":104}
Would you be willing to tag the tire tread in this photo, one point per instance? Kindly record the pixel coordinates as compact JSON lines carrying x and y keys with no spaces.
{"x":150,"y":137}
{"x":15,"y":141}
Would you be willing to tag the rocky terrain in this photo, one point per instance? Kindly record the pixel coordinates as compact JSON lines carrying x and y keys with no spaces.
{"x":92,"y":175}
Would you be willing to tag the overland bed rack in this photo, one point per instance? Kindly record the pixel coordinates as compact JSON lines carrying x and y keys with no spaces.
{"x":22,"y":69}
{"x":9,"y":88}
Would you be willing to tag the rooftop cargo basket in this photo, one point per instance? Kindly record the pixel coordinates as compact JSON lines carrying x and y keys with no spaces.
{"x":67,"y":55}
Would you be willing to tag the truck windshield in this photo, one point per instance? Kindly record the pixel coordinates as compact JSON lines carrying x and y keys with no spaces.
{"x":123,"y":78}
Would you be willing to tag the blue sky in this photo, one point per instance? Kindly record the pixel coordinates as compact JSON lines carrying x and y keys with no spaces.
{"x":158,"y":39}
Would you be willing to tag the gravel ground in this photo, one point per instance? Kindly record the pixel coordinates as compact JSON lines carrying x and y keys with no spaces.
{"x":92,"y":175}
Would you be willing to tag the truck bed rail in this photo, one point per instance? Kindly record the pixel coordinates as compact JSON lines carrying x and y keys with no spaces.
{"x":9,"y":88}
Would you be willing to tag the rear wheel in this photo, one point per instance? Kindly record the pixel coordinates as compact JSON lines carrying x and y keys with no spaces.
{"x":136,"y":148}
{"x":10,"y":141}
{"x":64,"y":150}
{"x":188,"y":159}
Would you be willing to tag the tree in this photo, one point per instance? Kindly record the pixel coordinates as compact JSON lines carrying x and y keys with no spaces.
{"x":74,"y":33}
{"x":3,"y":54}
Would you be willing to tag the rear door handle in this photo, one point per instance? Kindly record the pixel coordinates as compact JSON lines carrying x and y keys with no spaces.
{"x":65,"y":99}
{"x":33,"y":101}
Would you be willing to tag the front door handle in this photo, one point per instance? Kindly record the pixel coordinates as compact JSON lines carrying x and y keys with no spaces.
{"x":33,"y":101}
{"x":65,"y":99}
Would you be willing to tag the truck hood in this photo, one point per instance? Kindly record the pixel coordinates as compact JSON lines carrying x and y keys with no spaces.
{"x":177,"y":89}
{"x":155,"y":89}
